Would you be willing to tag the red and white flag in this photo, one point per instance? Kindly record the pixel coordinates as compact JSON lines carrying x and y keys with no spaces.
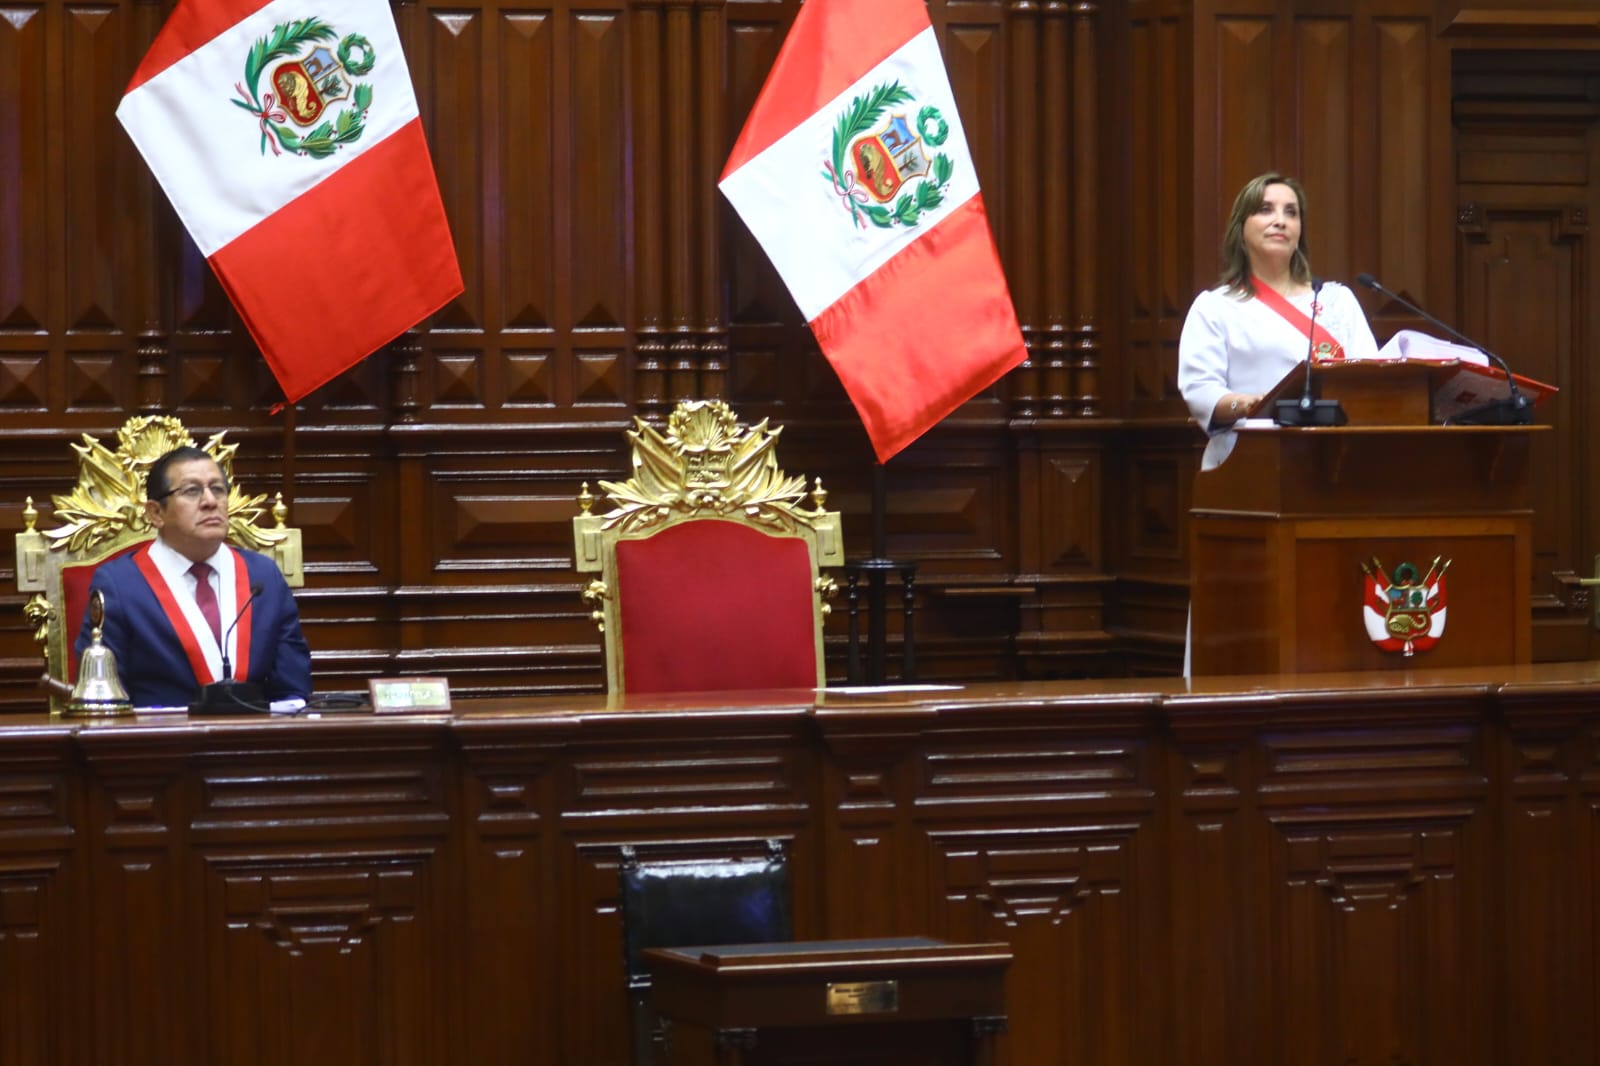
{"x":853,"y":173}
{"x":289,"y":142}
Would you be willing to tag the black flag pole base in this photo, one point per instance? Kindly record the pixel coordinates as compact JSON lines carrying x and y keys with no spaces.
{"x":1304,"y":412}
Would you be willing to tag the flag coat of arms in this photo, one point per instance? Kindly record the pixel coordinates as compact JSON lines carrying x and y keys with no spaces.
{"x":853,"y":173}
{"x":287,"y":138}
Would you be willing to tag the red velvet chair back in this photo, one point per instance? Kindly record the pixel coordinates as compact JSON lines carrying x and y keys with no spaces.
{"x":712,"y":605}
{"x":75,"y":580}
{"x":708,"y":565}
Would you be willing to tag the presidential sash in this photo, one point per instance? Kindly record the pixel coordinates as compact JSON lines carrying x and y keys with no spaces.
{"x":180,"y":621}
{"x":1323,"y":345}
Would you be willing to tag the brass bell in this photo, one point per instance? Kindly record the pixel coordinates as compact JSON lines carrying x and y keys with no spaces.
{"x":99,"y":692}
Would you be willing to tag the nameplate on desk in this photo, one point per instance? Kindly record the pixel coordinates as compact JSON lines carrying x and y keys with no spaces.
{"x":409,"y":695}
{"x":863,"y":997}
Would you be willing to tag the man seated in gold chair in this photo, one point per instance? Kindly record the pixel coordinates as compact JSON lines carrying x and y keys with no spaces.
{"x":185,"y":609}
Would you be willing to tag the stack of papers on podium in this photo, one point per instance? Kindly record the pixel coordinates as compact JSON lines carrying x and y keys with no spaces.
{"x":1412,"y":344}
{"x":1473,"y":383}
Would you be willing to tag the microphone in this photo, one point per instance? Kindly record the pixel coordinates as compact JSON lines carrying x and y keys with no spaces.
{"x":1308,"y":410}
{"x":228,"y":696}
{"x":227,"y":667}
{"x":1514,"y":410}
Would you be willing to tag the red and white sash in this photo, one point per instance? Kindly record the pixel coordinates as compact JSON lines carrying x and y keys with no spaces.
{"x":180,"y":621}
{"x":1323,"y":344}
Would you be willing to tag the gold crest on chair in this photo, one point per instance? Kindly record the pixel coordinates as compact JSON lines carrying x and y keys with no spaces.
{"x":103,"y":515}
{"x":709,"y":561}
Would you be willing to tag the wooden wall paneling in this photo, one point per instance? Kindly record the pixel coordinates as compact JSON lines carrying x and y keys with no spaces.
{"x":1523,"y":284}
{"x":1408,"y":165}
{"x":1327,"y":154}
{"x":1342,"y":910}
{"x":35,"y":986}
{"x":1072,"y":881}
{"x":1158,"y":279}
{"x":31,"y":215}
{"x":599,"y":245}
{"x":874,"y":871}
{"x":1377,"y":913}
{"x":527,"y":191}
{"x":98,"y":312}
{"x":682,"y":196}
{"x":1218,"y":927}
{"x":1062,"y":624}
{"x":511,"y":894}
{"x":1350,"y":871}
{"x":675,"y":790}
{"x":1521,"y":18}
{"x":1548,"y":774}
{"x":42,"y":900}
{"x":712,"y":145}
{"x":486,"y":592}
{"x":1087,"y":205}
{"x":1019,"y":232}
{"x":349,"y":946}
{"x":1150,"y":464}
{"x":1054,"y":199}
{"x":944,"y":498}
{"x":650,"y":239}
{"x":448,"y":50}
{"x":1056,"y":210}
{"x":1149,"y":550}
{"x":1378,"y":923}
{"x":1527,"y":148}
{"x":141,"y":985}
{"x":1248,"y":46}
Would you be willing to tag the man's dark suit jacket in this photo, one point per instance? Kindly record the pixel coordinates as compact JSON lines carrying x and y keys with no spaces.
{"x":150,"y":655}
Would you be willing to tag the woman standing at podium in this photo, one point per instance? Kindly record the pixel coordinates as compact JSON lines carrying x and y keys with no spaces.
{"x":1243,"y":336}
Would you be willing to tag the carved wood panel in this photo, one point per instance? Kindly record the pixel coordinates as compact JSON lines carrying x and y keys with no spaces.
{"x":316,"y":936}
{"x":1338,"y":872}
{"x":1528,"y":184}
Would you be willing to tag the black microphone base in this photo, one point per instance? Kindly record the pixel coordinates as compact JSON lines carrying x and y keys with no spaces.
{"x":230,"y":697}
{"x":1317,"y":413}
{"x":1507,"y":412}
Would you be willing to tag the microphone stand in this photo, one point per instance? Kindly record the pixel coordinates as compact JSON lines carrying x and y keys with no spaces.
{"x":1308,"y":410}
{"x":228,"y":696}
{"x":1514,"y":410}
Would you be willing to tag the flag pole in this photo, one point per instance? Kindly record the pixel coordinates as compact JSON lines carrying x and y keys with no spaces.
{"x":877,"y":569}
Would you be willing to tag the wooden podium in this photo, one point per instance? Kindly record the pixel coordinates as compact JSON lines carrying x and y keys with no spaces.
{"x":1283,"y":529}
{"x":906,"y":1000}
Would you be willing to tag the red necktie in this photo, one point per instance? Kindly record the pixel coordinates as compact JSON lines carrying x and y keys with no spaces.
{"x":206,"y":597}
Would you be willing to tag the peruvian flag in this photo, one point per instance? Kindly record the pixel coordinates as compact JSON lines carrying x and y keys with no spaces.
{"x":853,"y":173}
{"x":287,"y":137}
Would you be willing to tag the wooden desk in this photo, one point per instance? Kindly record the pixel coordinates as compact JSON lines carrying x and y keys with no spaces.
{"x":875,"y":1002}
{"x":1365,"y":868}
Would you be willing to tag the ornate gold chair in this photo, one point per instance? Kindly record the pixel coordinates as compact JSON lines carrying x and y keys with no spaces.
{"x":103,"y":517}
{"x":709,"y":561}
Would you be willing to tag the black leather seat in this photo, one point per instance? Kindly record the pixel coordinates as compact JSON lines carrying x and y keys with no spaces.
{"x":681,"y":902}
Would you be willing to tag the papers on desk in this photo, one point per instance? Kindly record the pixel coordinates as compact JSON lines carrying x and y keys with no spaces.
{"x":882,"y":690}
{"x":1471,"y":385}
{"x":1413,"y":344}
{"x":294,"y":706}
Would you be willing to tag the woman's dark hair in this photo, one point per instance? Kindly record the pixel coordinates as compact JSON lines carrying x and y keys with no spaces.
{"x":1235,"y":259}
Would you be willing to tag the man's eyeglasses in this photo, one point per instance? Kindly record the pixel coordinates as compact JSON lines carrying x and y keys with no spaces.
{"x":193,"y":492}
